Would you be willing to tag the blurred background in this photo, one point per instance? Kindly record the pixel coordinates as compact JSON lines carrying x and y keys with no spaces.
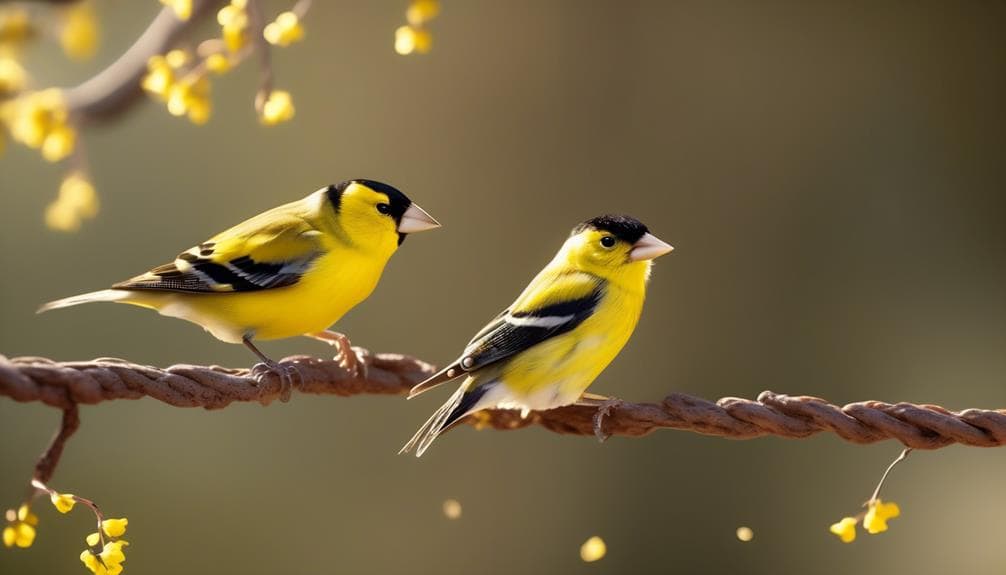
{"x":832,"y":175}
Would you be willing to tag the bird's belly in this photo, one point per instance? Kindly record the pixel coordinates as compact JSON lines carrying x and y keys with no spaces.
{"x":558,"y":371}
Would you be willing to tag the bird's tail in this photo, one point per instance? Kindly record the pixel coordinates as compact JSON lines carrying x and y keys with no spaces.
{"x":463,"y":402}
{"x":100,"y":295}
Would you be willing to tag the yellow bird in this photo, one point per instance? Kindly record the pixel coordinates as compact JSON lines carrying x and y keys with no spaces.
{"x":545,"y":349}
{"x":293,"y":270}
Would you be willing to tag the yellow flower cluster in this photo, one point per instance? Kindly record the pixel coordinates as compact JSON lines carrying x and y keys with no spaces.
{"x":40,"y":120}
{"x":233,"y":20}
{"x":874,"y":520}
{"x":77,"y":201}
{"x":414,"y":37}
{"x":20,"y":529}
{"x":79,"y":34}
{"x":185,"y":94}
{"x":182,"y":8}
{"x":107,"y":561}
{"x":278,"y":108}
{"x":285,"y":30}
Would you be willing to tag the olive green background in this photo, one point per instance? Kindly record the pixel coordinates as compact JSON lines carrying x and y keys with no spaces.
{"x":832,"y":175}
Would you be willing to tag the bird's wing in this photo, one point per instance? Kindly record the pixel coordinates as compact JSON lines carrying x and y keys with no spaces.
{"x":550,"y":306}
{"x":269,"y":251}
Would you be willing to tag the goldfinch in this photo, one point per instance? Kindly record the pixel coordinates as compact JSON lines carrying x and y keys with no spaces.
{"x":293,"y":270}
{"x":545,"y":349}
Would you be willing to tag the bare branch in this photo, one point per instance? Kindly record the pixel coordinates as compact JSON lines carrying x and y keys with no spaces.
{"x":66,"y":384}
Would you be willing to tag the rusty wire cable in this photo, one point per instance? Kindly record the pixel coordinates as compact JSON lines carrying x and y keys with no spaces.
{"x":66,"y":384}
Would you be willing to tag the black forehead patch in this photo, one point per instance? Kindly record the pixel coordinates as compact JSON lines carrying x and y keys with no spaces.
{"x":398,"y":201}
{"x":625,"y":228}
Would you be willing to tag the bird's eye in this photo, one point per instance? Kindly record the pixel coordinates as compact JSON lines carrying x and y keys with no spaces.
{"x":384,"y":208}
{"x":608,"y":242}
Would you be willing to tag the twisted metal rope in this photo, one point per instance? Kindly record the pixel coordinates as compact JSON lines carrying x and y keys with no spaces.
{"x":67,"y":384}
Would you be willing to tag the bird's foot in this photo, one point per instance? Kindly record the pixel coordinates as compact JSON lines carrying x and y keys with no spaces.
{"x":287,"y":373}
{"x":347,"y":356}
{"x":603,"y":410}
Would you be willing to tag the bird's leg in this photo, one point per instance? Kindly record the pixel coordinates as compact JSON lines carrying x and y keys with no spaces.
{"x":285,"y":372}
{"x":604,"y":406}
{"x":347,"y":356}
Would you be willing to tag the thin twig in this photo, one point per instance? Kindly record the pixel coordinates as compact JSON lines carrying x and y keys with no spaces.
{"x":49,"y":459}
{"x":883,"y":478}
{"x":257,"y":23}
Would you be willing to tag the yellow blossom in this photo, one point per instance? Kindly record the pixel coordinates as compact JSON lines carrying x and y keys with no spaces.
{"x":61,"y":217}
{"x":108,"y":562}
{"x":285,"y":30}
{"x":877,"y":514}
{"x":20,"y":529}
{"x":177,"y":58}
{"x":59,"y":143}
{"x":32,"y":117}
{"x":409,"y":39}
{"x":422,"y":11}
{"x":593,"y":549}
{"x":79,"y":35}
{"x":64,"y":502}
{"x":159,"y":77}
{"x":191,"y":98}
{"x":277,"y":108}
{"x":24,"y":514}
{"x":218,"y":63}
{"x":233,"y":20}
{"x":12,"y":75}
{"x":18,"y":533}
{"x":77,"y":191}
{"x":15,"y":26}
{"x":77,"y":199}
{"x":182,"y":8}
{"x":845,"y":529}
{"x":114,"y":527}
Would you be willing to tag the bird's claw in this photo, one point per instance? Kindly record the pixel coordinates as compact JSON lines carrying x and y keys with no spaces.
{"x":604,"y":410}
{"x":350,"y":358}
{"x":359,"y":367}
{"x":287,"y":374}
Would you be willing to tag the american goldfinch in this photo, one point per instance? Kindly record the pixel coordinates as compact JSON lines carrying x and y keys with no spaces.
{"x":553,"y":341}
{"x":293,"y":270}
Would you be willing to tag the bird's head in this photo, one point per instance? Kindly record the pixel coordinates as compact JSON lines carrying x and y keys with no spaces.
{"x":610,"y":246}
{"x":374,"y":214}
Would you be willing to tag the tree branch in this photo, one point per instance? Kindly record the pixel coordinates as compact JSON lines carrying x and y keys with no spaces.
{"x":66,"y":384}
{"x":117,"y":87}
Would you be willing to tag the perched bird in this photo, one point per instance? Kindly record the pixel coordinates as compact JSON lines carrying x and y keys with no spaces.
{"x":553,"y":341}
{"x":293,"y":270}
